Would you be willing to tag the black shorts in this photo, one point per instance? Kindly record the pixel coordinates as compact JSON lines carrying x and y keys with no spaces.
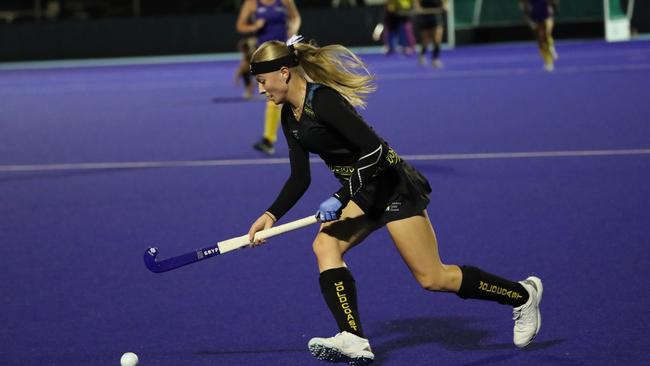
{"x":430,"y":21}
{"x":396,"y":193}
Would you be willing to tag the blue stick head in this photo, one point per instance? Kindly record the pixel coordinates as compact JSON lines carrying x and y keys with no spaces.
{"x":150,"y":259}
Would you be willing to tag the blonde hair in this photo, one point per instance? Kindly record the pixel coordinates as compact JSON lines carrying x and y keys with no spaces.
{"x":333,"y":65}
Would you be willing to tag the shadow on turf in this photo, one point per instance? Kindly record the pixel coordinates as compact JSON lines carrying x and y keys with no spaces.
{"x":454,"y":333}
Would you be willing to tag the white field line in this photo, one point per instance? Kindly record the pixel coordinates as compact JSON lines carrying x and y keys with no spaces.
{"x":27,"y":86}
{"x":523,"y":70}
{"x":276,"y":161}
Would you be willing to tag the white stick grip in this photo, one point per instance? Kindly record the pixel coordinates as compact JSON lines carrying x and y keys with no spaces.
{"x":242,"y":241}
{"x":289,"y":226}
{"x":232,"y":244}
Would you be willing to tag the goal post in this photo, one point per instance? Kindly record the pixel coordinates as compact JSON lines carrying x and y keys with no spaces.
{"x":617,"y":21}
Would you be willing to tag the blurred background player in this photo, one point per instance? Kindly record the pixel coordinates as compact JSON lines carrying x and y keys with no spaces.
{"x":246,"y":46}
{"x":539,"y":14}
{"x":269,"y":20}
{"x":430,"y":22}
{"x":398,"y":26}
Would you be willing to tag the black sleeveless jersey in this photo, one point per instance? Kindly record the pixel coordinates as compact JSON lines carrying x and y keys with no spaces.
{"x":331,"y":128}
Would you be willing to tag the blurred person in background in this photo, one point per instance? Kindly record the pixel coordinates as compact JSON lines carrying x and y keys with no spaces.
{"x":269,"y":20}
{"x":52,"y":10}
{"x":539,"y":14}
{"x":246,"y":46}
{"x":398,"y":25}
{"x":431,"y":24}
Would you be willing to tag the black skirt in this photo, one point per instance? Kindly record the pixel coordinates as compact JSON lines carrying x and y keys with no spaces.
{"x":430,"y":21}
{"x":396,"y":193}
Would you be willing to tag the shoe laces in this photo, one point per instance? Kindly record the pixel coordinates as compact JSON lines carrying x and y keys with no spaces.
{"x":348,"y":342}
{"x":516,"y":313}
{"x":524,"y":314}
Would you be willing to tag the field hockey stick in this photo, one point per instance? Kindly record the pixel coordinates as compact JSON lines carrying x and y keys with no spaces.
{"x":222,"y":247}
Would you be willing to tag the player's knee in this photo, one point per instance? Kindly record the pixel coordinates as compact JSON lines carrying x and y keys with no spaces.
{"x":439,"y":281}
{"x":430,"y":283}
{"x":323,"y":247}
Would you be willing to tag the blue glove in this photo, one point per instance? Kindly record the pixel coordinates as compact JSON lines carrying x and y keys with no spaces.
{"x":329,"y":210}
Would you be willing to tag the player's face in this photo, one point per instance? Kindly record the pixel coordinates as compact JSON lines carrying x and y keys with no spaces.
{"x":273,"y":85}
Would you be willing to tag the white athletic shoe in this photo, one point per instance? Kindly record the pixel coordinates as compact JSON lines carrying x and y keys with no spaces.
{"x":344,"y":346}
{"x":527,"y":317}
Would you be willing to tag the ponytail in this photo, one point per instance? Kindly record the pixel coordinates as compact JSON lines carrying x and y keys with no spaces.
{"x":333,"y":65}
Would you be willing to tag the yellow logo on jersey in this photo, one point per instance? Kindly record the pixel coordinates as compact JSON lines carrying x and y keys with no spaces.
{"x":309,"y":111}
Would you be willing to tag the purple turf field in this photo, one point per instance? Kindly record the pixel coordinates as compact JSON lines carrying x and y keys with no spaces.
{"x":533,"y":173}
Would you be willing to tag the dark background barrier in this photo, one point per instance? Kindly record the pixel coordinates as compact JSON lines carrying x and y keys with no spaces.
{"x":194,"y":27}
{"x":169,"y":34}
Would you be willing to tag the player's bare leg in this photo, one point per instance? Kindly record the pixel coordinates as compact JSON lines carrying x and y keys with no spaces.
{"x":427,"y":37}
{"x":416,"y":242}
{"x":437,"y":41}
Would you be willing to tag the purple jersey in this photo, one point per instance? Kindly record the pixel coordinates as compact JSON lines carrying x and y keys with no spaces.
{"x":275,"y":26}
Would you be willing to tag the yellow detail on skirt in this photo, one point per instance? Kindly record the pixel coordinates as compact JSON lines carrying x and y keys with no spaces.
{"x":345,"y":171}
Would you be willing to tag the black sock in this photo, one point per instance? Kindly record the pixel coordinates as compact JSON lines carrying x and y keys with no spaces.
{"x":340,"y":293}
{"x":423,"y":50}
{"x":436,"y":51}
{"x":478,"y":284}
